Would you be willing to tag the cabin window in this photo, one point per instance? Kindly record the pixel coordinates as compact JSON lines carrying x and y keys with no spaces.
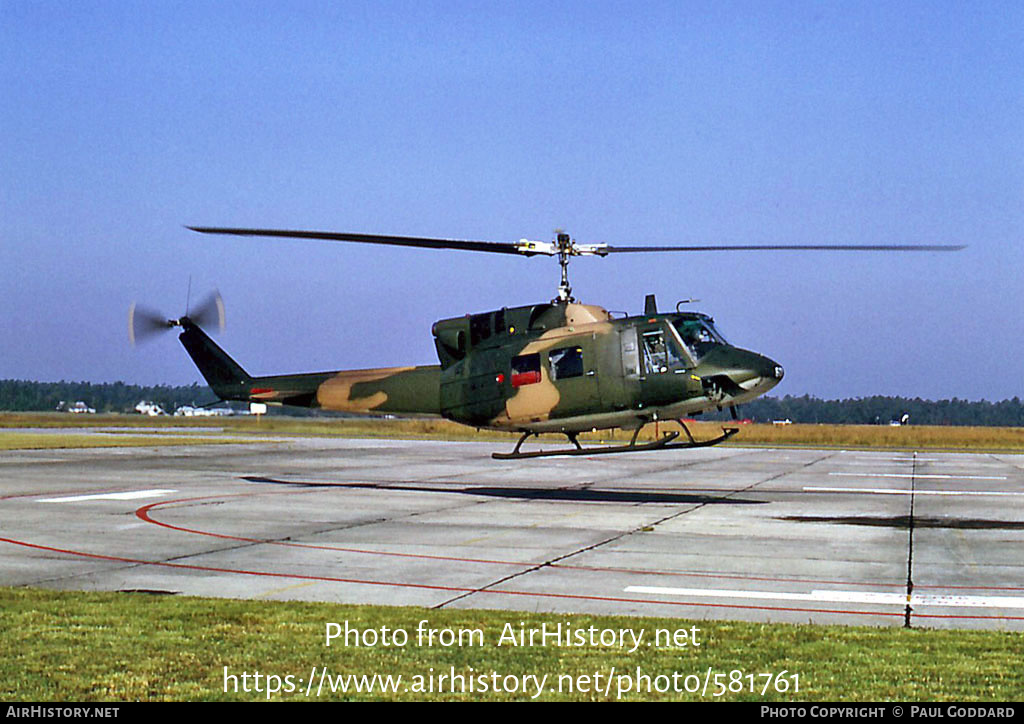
{"x":566,"y":362}
{"x":525,"y":370}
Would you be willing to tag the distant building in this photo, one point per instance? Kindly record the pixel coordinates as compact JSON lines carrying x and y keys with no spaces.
{"x":149,"y":408}
{"x":78,"y":408}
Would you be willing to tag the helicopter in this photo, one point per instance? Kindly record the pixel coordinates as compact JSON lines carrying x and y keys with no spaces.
{"x":559,"y":366}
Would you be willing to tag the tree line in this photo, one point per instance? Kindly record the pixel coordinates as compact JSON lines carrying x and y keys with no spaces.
{"x":27,"y":396}
{"x":879,"y":410}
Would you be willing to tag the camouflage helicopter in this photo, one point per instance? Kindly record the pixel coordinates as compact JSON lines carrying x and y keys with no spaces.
{"x":555,"y":367}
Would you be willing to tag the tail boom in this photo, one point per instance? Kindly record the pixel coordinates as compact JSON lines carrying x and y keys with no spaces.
{"x":386,"y":390}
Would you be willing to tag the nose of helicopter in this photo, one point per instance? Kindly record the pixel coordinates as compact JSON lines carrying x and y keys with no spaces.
{"x":762,"y":374}
{"x":741,"y":374}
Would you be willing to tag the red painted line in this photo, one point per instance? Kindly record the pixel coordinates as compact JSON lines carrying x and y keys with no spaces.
{"x":396,"y":584}
{"x":143,"y":513}
{"x":495,"y":592}
{"x":192,"y":567}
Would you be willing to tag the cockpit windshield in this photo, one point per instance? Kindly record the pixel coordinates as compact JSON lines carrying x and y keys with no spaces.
{"x":699,"y":335}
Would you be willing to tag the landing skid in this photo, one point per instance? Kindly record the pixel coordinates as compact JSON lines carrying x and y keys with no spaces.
{"x":665,"y":443}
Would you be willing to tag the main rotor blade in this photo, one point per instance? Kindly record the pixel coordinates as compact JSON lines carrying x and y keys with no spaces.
{"x":788,"y":247}
{"x":497,"y":247}
{"x":531,"y":248}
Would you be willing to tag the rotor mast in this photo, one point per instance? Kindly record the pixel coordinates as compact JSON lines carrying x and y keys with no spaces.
{"x":564,"y":248}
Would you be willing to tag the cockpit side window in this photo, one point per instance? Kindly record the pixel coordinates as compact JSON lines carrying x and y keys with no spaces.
{"x":699,"y":336}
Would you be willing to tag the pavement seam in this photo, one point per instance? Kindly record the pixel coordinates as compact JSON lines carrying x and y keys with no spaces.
{"x":624,"y":534}
{"x":910,"y":544}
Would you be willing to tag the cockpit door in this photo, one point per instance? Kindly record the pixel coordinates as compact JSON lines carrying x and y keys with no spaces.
{"x":663,"y":366}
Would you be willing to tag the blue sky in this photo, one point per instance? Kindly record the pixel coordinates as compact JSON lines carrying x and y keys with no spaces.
{"x":628,"y":123}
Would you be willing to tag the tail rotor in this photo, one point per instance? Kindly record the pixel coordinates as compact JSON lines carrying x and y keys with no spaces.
{"x":145,"y":323}
{"x":210,"y":312}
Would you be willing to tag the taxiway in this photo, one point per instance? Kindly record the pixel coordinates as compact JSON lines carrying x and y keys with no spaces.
{"x":797,"y":535}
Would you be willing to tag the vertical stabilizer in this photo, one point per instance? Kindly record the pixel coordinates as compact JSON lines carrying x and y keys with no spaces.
{"x":225,"y":376}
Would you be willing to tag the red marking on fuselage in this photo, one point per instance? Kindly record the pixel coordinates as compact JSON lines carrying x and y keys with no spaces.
{"x":525,"y":378}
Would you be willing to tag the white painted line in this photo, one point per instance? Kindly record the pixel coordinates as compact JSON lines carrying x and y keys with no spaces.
{"x":871,"y":597}
{"x":721,"y":593}
{"x":897,"y":460}
{"x":932,"y":463}
{"x":932,"y":476}
{"x":129,"y":495}
{"x":897,"y":491}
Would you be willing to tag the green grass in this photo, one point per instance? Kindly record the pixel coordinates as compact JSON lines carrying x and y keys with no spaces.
{"x":70,"y":646}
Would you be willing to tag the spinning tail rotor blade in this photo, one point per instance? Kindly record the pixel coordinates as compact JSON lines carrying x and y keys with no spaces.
{"x":144,"y":323}
{"x":210,"y":312}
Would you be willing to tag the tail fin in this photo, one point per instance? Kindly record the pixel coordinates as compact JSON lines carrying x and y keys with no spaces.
{"x":225,"y":376}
